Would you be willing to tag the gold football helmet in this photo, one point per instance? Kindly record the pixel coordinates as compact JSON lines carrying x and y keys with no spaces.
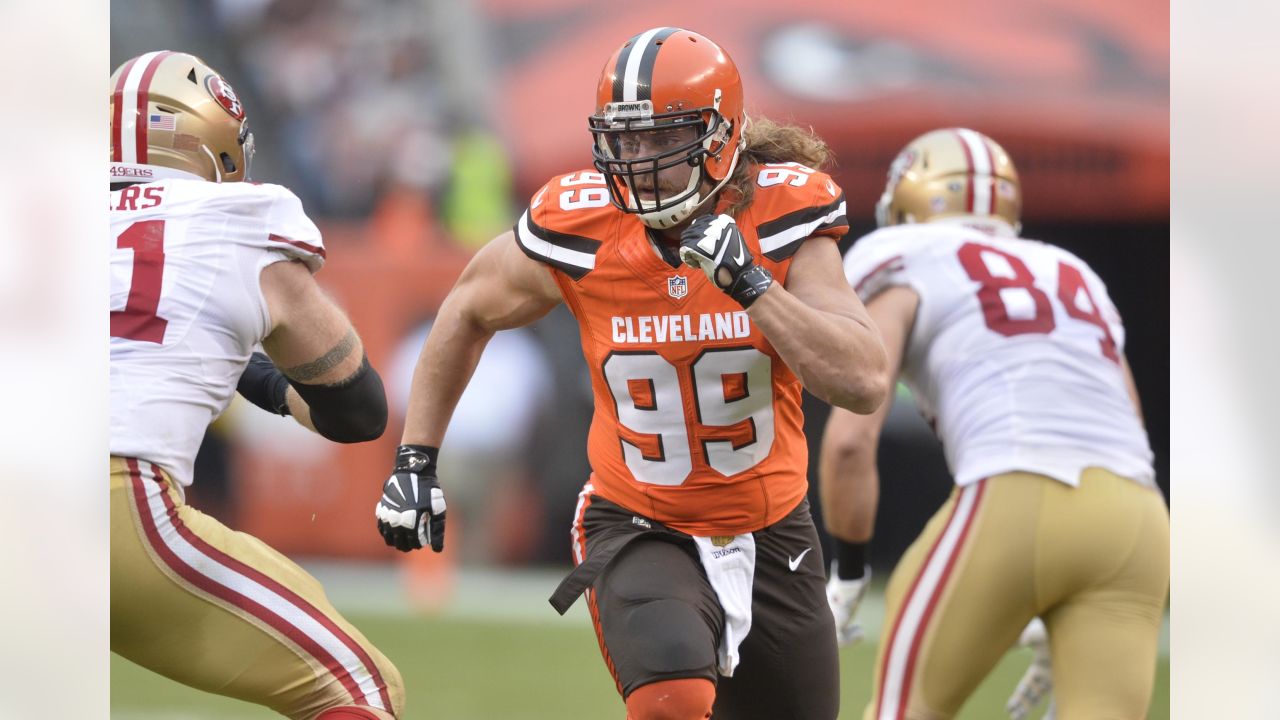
{"x":951,"y":173}
{"x":174,"y":116}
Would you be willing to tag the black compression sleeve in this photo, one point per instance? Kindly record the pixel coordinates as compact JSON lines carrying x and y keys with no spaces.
{"x":351,"y":411}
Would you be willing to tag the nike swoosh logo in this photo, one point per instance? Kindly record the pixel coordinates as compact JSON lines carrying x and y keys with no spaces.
{"x":742,"y":255}
{"x":793,"y":564}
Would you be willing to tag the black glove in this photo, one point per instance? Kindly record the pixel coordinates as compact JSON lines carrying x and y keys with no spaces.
{"x":264,"y":385}
{"x":713,"y":244}
{"x":411,"y":511}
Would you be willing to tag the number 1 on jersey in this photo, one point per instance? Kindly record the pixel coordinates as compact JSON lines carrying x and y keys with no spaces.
{"x":138,"y":320}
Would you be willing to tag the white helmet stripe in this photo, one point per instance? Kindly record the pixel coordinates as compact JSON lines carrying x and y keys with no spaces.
{"x":133,"y":103}
{"x":982,"y":164}
{"x":631,"y":77}
{"x":217,"y":171}
{"x":117,"y":100}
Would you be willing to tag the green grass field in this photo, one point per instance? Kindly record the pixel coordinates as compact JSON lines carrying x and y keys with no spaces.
{"x":479,"y":665}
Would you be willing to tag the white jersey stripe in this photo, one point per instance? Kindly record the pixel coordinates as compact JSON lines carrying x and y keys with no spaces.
{"x":297,"y":618}
{"x":913,"y":619}
{"x":538,"y":246}
{"x":983,"y":164}
{"x":632,"y":75}
{"x":129,"y":118}
{"x":798,"y":232}
{"x":580,"y":542}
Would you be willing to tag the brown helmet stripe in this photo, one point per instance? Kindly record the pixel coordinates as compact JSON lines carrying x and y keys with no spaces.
{"x":633,"y":75}
{"x":620,"y":69}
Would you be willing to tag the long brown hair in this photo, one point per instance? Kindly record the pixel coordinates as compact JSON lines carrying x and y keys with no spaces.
{"x":771,"y":142}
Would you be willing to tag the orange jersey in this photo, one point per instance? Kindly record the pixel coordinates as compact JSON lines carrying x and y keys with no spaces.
{"x":697,"y":419}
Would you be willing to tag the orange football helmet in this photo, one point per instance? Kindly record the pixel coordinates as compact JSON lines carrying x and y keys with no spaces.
{"x":664,"y":79}
{"x":174,"y":116}
{"x":951,"y":173}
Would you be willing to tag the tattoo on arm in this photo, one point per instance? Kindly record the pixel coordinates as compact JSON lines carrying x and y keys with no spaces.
{"x":326,"y":362}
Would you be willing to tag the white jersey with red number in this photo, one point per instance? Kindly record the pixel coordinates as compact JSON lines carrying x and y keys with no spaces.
{"x":186,"y":306}
{"x":1015,"y":355}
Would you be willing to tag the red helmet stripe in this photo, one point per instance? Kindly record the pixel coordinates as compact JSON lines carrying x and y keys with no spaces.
{"x":117,"y":101}
{"x":143,"y":98}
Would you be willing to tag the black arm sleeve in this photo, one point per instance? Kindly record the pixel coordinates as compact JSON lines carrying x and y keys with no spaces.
{"x":264,"y":385}
{"x":351,"y":411}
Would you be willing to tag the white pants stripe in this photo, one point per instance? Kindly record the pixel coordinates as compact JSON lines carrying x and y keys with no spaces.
{"x":919,"y":604}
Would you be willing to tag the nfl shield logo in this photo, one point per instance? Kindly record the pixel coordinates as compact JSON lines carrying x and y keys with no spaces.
{"x":677,"y":287}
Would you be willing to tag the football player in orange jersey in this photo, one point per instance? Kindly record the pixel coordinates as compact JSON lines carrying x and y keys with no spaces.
{"x":1015,"y":354}
{"x":699,"y":258}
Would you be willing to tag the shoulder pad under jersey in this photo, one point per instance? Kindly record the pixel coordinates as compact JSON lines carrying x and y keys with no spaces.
{"x":883,"y":258}
{"x":567,"y":221}
{"x":793,"y":202}
{"x":271,"y":217}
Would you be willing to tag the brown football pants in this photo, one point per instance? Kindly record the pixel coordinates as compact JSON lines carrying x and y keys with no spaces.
{"x":1092,"y":561}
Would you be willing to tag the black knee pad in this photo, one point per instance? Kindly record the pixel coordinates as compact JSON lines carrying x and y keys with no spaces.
{"x":667,"y":636}
{"x":659,"y":617}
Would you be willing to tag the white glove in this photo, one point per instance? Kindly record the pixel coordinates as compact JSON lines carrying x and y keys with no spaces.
{"x":1037,"y":682}
{"x":843,"y":596}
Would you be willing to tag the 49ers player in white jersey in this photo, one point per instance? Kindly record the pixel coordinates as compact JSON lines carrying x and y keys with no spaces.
{"x":1015,"y":355}
{"x":205,"y":267}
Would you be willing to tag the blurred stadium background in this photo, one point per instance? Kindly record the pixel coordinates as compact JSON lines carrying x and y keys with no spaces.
{"x":415,"y":130}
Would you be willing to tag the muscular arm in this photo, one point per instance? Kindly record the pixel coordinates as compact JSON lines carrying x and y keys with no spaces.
{"x":847,"y":477}
{"x":500,"y":288}
{"x":311,"y":340}
{"x":820,"y":328}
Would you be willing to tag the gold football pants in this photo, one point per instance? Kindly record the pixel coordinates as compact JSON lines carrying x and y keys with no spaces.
{"x":1092,"y":561}
{"x":220,"y":611}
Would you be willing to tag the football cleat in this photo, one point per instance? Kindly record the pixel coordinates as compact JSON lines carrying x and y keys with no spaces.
{"x":1037,"y":682}
{"x":843,"y":597}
